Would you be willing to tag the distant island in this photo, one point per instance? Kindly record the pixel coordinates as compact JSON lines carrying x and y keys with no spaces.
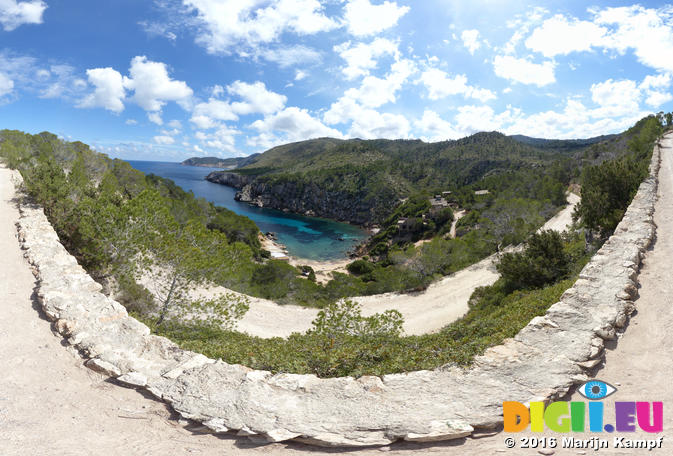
{"x":223,"y":163}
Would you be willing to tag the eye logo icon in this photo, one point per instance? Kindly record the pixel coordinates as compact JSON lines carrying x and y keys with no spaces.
{"x":596,"y":390}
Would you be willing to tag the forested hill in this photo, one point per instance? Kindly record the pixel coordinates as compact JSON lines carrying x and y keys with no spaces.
{"x":215,"y":162}
{"x":562,"y":144}
{"x":362,"y":181}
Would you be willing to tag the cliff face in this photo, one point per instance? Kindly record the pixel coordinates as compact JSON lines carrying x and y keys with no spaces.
{"x":235,"y":180}
{"x":303,"y":198}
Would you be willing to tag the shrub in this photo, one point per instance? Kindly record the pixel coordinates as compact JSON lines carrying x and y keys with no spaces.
{"x":543,"y":261}
{"x":360,"y":267}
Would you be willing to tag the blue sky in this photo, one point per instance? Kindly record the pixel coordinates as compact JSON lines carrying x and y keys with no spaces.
{"x":170,"y":79}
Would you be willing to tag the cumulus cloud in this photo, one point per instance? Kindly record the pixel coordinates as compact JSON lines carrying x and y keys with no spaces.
{"x":14,"y":14}
{"x":616,"y":97}
{"x":365,"y":122}
{"x":109,"y":92}
{"x":256,"y":98}
{"x":228,"y":26}
{"x":6,"y":85}
{"x":440,"y":85}
{"x":164,"y":140}
{"x":524,"y":71}
{"x":471,"y":40}
{"x":153,"y":87}
{"x":290,"y":56}
{"x":175,"y":123}
{"x":646,"y":31}
{"x":155,"y":117}
{"x":299,"y":75}
{"x":223,"y":139}
{"x":374,"y":91}
{"x":206,"y":114}
{"x":363,"y":57}
{"x":293,"y":124}
{"x":434,"y":128}
{"x":560,"y":35}
{"x":357,"y":103}
{"x":363,"y":18}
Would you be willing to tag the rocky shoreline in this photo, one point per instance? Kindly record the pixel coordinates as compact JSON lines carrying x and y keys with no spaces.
{"x":308,"y":200}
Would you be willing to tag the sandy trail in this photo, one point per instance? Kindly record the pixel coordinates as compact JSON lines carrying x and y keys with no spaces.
{"x":443,"y":302}
{"x":51,"y":404}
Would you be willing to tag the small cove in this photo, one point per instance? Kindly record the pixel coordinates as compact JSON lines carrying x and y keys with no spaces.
{"x":311,"y":238}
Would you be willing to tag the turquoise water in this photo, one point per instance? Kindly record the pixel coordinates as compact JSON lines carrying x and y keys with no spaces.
{"x":305,"y":237}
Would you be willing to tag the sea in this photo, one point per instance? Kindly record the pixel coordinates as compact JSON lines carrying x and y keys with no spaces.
{"x":311,"y":238}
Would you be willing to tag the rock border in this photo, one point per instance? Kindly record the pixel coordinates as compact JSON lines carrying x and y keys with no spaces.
{"x":542,"y":362}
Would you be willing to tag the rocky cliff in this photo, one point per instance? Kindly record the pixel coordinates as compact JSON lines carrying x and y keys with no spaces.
{"x":307,"y":198}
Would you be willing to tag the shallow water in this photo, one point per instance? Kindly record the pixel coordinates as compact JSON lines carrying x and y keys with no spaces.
{"x":305,"y":237}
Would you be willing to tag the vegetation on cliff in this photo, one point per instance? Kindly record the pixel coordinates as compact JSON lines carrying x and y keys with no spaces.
{"x":216,"y":162}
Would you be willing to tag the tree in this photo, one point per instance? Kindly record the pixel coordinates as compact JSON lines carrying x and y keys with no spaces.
{"x":173,"y":259}
{"x":344,"y":318}
{"x":543,"y":261}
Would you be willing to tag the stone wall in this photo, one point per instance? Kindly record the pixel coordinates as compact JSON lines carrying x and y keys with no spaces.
{"x":550,"y":355}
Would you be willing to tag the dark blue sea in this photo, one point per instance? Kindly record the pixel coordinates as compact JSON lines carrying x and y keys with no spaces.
{"x":305,"y":237}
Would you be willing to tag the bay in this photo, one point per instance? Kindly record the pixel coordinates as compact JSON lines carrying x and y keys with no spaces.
{"x":311,"y":238}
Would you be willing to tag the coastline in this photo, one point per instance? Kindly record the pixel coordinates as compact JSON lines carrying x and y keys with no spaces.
{"x":322,"y":269}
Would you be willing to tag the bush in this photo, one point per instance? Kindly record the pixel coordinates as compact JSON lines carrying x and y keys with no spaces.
{"x":543,"y":261}
{"x":360,"y":267}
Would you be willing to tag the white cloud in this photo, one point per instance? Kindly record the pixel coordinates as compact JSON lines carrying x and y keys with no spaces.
{"x":221,"y":140}
{"x":656,"y":99}
{"x":205,"y":115}
{"x":226,"y":26}
{"x":164,"y":140}
{"x":371,"y":124}
{"x":60,"y":81}
{"x":435,"y":128}
{"x":653,"y":82}
{"x":374,"y":91}
{"x":256,"y":98}
{"x":109,"y":92}
{"x":524,"y":71}
{"x":471,"y":40}
{"x":14,"y":14}
{"x":561,"y":36}
{"x":299,"y":75}
{"x":131,"y":122}
{"x":153,"y":86}
{"x":440,"y":85}
{"x":647,"y":31}
{"x":366,"y":123}
{"x":6,"y":85}
{"x":172,"y":132}
{"x":290,"y":56}
{"x":295,"y":124}
{"x":616,"y":97}
{"x":217,"y":90}
{"x":364,"y":56}
{"x":155,"y":117}
{"x":364,"y":18}
{"x":175,"y":123}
